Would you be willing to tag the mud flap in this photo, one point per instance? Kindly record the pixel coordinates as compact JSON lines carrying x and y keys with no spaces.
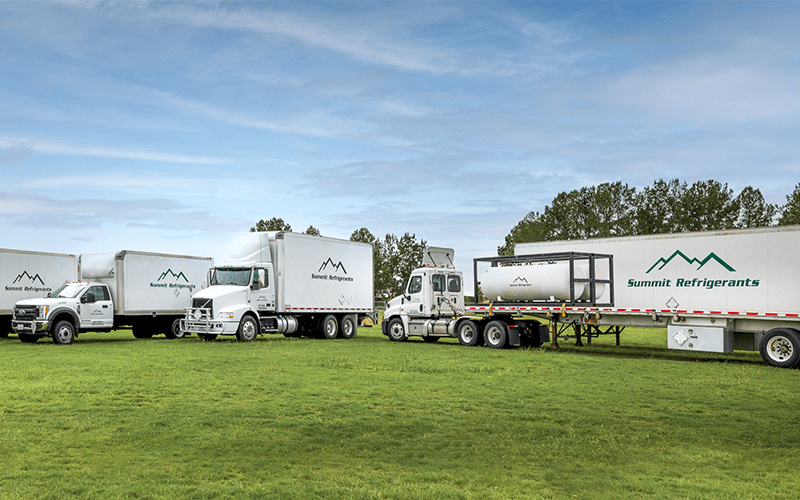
{"x":513,"y":335}
{"x":544,"y":334}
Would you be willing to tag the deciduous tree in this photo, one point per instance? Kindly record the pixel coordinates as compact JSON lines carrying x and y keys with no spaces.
{"x":274,"y":224}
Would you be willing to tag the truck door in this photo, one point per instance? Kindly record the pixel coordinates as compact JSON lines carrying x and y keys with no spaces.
{"x":263,"y":289}
{"x":96,"y":308}
{"x":417,"y":304}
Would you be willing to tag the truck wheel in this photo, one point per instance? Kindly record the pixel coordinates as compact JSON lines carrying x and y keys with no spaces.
{"x":396,"y":331}
{"x":63,"y":333}
{"x":28,"y":339}
{"x":174,"y":329}
{"x":248,"y":329}
{"x":330,"y":327}
{"x":348,"y":326}
{"x":468,"y":333}
{"x":496,"y":334}
{"x":780,"y":347}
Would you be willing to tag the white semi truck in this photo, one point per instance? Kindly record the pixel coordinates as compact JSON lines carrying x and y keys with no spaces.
{"x":432,"y":306}
{"x":289,"y":283}
{"x":148,"y":292}
{"x":25,"y":275}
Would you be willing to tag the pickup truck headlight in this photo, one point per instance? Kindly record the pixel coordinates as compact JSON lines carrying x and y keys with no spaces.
{"x":43,"y":310}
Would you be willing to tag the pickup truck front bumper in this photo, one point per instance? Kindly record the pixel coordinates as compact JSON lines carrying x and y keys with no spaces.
{"x":30,"y":327}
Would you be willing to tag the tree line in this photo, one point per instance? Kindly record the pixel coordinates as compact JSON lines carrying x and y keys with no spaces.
{"x":616,"y":209}
{"x":393,"y":257}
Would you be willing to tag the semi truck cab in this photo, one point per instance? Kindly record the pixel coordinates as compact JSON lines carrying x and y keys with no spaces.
{"x":430,"y":292}
{"x":234,"y":293}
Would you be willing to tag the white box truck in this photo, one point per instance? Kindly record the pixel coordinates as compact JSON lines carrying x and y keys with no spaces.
{"x":148,"y":292}
{"x":289,"y":283}
{"x":713,"y":291}
{"x":25,"y":275}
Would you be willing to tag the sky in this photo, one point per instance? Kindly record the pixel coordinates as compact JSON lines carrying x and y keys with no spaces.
{"x":175,"y":126}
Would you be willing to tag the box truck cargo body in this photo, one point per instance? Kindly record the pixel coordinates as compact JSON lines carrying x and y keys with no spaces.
{"x":284,"y":282}
{"x":25,"y":275}
{"x":714,"y":291}
{"x":148,"y":292}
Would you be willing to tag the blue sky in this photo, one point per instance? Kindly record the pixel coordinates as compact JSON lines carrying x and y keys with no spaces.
{"x":174,"y":127}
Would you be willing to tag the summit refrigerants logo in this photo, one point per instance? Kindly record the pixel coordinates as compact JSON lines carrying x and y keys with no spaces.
{"x":711,"y":264}
{"x":169,"y":279}
{"x":331,"y":267}
{"x":520,"y":281}
{"x":662,"y":262}
{"x":24,"y":282}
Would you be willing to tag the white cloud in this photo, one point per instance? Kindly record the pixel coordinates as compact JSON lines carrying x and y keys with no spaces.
{"x":51,"y":147}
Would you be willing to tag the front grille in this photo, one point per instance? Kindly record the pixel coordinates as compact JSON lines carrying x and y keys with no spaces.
{"x":25,"y":313}
{"x":203,"y":304}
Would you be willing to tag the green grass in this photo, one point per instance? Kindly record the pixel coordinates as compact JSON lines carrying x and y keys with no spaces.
{"x":114,"y":417}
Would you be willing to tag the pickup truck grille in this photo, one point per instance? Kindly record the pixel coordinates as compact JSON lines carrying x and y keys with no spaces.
{"x":25,"y":313}
{"x":203,"y":304}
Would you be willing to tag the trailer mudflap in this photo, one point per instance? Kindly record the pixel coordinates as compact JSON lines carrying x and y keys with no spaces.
{"x":513,"y":335}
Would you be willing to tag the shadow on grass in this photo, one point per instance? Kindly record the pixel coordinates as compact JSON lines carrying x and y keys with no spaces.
{"x":642,"y":352}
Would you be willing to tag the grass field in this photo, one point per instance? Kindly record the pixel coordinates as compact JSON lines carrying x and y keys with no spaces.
{"x":113,"y":417}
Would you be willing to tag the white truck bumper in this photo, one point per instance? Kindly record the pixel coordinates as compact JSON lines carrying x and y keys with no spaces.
{"x":31,"y":327}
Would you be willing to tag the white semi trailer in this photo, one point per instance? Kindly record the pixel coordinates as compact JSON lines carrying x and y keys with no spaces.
{"x":289,"y":283}
{"x":713,"y":291}
{"x":148,"y":292}
{"x":25,"y":275}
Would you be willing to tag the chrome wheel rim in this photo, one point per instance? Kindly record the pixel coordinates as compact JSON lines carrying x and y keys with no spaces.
{"x":780,"y":348}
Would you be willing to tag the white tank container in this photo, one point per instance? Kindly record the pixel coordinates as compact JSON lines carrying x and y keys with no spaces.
{"x":535,"y":282}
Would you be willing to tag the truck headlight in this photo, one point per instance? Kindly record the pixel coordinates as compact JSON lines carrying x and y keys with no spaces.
{"x":225,"y":315}
{"x":43,"y":310}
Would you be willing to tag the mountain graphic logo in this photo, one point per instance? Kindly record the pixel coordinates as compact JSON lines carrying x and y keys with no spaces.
{"x":662,"y":262}
{"x":520,"y":279}
{"x":169,"y":273}
{"x":33,"y":279}
{"x":338,"y":267}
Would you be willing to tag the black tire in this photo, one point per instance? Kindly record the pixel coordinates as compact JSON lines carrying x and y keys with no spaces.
{"x":348,"y":326}
{"x":248,"y":329}
{"x":330,"y":327}
{"x":174,"y":329}
{"x":396,"y":331}
{"x":63,"y":333}
{"x":28,"y":338}
{"x":495,"y":334}
{"x":207,"y":337}
{"x":780,"y":347}
{"x":468,"y":333}
{"x":142,"y":330}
